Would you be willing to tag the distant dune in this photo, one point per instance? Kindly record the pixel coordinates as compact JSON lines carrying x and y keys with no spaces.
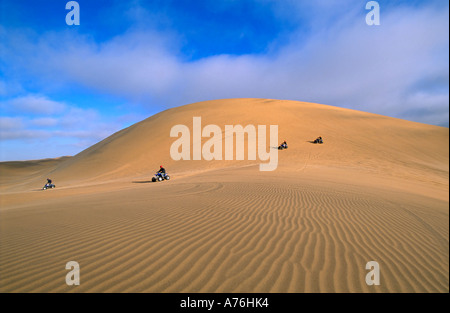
{"x":376,"y":190}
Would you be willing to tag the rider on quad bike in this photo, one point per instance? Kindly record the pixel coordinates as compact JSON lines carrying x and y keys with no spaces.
{"x":283,"y":146}
{"x":162,"y":170}
{"x":161,"y":175}
{"x":319,"y":140}
{"x":48,"y":184}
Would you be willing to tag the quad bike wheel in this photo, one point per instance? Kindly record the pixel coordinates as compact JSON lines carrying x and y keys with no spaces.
{"x":153,"y":179}
{"x":167,"y":177}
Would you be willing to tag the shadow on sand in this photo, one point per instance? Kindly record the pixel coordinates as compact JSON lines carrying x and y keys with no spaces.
{"x":316,"y":143}
{"x":141,"y":181}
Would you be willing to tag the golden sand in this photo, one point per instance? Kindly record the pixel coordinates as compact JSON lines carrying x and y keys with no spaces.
{"x":377,"y":190}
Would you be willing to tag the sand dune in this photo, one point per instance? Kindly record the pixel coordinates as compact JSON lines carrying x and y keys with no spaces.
{"x":377,"y":190}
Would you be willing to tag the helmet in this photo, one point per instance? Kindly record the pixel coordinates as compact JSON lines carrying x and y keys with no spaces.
{"x":160,"y":166}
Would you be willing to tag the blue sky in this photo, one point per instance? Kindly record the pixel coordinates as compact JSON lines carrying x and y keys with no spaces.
{"x":64,"y":88}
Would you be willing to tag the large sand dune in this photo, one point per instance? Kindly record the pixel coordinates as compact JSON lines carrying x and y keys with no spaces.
{"x":377,"y":190}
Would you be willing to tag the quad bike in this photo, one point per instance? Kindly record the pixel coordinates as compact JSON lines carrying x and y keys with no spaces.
{"x":160,"y":177}
{"x":281,"y":147}
{"x":47,"y":186}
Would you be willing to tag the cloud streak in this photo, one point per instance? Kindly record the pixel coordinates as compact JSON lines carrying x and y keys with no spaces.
{"x":32,"y":104}
{"x":35,"y":117}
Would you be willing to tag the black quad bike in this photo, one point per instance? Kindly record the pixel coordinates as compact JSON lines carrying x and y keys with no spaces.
{"x":160,"y":177}
{"x":48,"y":186}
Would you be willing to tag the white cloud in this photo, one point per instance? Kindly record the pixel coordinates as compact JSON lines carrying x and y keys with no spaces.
{"x":32,"y":104}
{"x":44,"y":122}
{"x":353,"y":65}
{"x":23,"y":134}
{"x":13,"y":128}
{"x":57,"y":121}
{"x":10,"y":123}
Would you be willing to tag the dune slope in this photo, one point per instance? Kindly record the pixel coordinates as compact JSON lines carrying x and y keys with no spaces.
{"x":354,"y":139}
